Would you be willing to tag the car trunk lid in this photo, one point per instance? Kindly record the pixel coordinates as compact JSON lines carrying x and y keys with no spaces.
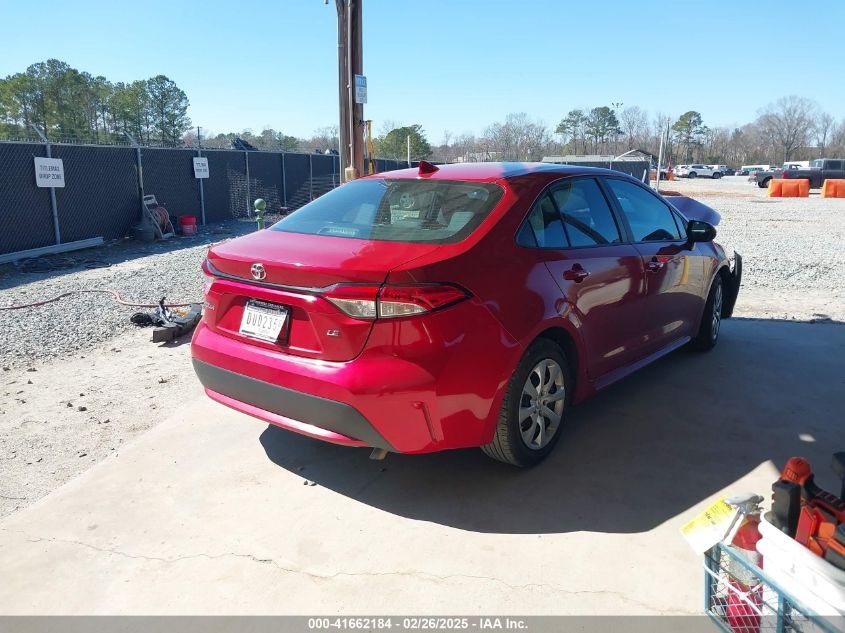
{"x":293,"y":271}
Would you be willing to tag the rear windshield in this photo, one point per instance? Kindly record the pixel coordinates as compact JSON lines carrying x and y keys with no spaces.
{"x":419,"y":211}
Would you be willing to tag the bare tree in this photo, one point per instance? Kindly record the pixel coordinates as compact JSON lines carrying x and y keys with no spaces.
{"x":465,"y":147}
{"x":387,"y":126}
{"x":444,"y":150}
{"x":825,"y":129}
{"x":323,"y":138}
{"x":658,"y":130}
{"x":789,"y":122}
{"x":836,"y":146}
{"x":634,"y":123}
{"x":518,"y":138}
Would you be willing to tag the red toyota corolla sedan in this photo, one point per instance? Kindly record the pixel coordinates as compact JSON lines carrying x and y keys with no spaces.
{"x":465,"y":305}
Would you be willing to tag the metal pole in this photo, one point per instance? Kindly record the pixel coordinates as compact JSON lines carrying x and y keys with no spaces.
{"x":343,"y":131}
{"x":357,"y":65}
{"x":349,"y":83}
{"x":202,"y":191}
{"x":140,"y":164}
{"x":284,"y":183}
{"x":248,"y":196}
{"x":56,"y":232}
{"x":408,"y":139}
{"x":659,"y":161}
{"x":310,"y":177}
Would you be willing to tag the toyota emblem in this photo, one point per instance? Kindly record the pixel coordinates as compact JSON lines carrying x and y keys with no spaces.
{"x":258,"y":271}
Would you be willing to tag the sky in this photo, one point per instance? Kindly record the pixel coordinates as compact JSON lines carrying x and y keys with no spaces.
{"x":454,"y":65}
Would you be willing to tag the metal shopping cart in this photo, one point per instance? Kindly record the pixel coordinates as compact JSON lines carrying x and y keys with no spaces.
{"x":741,"y":598}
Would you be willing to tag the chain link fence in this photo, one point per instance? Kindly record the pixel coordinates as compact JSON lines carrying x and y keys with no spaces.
{"x":25,"y":210}
{"x":104,"y":185}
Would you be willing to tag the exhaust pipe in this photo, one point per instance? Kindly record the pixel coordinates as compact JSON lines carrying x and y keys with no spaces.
{"x":378,"y":454}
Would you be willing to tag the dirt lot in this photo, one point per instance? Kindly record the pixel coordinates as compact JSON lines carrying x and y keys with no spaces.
{"x":78,"y":382}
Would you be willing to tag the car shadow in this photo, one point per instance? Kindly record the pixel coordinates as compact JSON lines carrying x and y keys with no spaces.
{"x":636,"y":455}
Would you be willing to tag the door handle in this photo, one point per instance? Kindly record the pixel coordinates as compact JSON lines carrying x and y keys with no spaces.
{"x":576,"y":274}
{"x":655,"y":265}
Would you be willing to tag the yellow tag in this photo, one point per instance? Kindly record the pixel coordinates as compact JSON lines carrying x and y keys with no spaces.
{"x":709,"y":527}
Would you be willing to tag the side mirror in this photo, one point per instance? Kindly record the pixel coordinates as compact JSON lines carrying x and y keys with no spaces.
{"x":700,"y":231}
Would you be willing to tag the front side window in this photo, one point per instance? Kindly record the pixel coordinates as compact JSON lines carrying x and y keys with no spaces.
{"x":587,"y":218}
{"x":649,"y":218}
{"x":417,"y":211}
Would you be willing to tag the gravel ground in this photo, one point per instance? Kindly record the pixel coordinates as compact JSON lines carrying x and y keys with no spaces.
{"x":793,"y":255}
{"x":706,"y":187}
{"x":142,"y":273}
{"x":78,"y":380}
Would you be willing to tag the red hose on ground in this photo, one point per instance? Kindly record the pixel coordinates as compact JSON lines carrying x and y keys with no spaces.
{"x":115,"y":295}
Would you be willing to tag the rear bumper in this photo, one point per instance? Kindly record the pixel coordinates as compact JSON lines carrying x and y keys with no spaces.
{"x":331,"y":421}
{"x":416,"y":387}
{"x":732,"y":287}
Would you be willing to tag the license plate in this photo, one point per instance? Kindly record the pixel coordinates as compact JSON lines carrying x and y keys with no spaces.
{"x":263,"y":320}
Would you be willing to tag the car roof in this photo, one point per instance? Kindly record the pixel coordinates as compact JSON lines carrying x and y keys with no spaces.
{"x":491,"y":172}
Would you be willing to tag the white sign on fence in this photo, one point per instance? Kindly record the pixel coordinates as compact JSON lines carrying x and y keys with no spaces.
{"x":49,"y":172}
{"x":201,"y":167}
{"x":360,"y":89}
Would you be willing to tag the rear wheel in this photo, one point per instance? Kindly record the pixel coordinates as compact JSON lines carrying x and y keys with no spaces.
{"x":692,"y":174}
{"x":711,"y":320}
{"x":717,"y":175}
{"x":534,"y":407}
{"x":763,"y":183}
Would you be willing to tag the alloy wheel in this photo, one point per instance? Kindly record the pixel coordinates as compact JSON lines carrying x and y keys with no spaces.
{"x":541,"y":404}
{"x":717,"y":312}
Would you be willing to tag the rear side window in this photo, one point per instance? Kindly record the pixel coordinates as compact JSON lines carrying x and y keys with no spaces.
{"x":543,"y":222}
{"x":650,"y":219}
{"x":418,"y":211}
{"x":586,"y":216}
{"x":834,"y":164}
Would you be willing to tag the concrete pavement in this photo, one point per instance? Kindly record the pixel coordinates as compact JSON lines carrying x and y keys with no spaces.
{"x":210,"y":511}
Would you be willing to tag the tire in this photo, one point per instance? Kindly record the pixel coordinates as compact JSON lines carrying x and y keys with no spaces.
{"x":716,"y":175}
{"x":711,"y":318}
{"x":764,"y":184}
{"x":692,"y":174}
{"x":509,"y":443}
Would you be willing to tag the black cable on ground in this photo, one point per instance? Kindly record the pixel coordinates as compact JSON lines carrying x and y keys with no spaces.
{"x":53,"y":263}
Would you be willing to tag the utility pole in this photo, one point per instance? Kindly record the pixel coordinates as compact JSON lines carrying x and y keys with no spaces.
{"x":350,"y":61}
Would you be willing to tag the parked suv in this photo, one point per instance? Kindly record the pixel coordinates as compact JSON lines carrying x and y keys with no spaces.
{"x":698,"y":171}
{"x":465,"y":305}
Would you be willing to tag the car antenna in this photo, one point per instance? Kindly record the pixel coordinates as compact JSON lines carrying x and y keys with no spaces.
{"x":427,"y":168}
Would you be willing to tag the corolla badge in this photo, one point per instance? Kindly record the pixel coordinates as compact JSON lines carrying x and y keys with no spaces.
{"x":258,"y":271}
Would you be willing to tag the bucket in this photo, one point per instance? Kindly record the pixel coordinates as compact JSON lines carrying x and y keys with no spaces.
{"x":188,"y":224}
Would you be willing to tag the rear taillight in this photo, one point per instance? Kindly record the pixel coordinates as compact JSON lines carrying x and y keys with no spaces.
{"x":784,"y":174}
{"x":356,"y":301}
{"x":208,"y":279}
{"x":396,"y":301}
{"x":387,"y":302}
